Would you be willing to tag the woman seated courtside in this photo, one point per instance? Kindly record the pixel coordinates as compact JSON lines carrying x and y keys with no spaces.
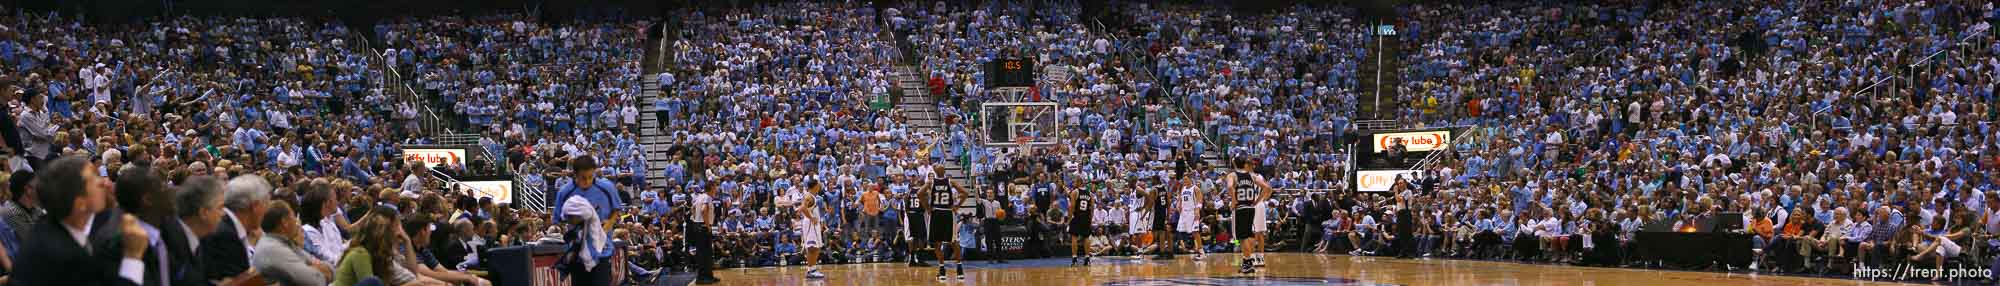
{"x":366,"y":261}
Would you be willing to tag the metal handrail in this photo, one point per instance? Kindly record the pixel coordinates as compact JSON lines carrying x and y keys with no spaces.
{"x":1872,"y":86}
{"x":432,"y":123}
{"x":1181,"y":108}
{"x":1472,"y":131}
{"x":1376,"y":104}
{"x":1375,"y":124}
{"x":503,"y":164}
{"x":448,"y":180}
{"x":426,"y":117}
{"x":533,"y":197}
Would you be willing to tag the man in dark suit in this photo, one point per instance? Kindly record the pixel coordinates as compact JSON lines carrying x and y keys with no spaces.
{"x":81,"y":243}
{"x":452,"y":244}
{"x":198,"y":209}
{"x":137,"y":190}
{"x":225,"y":254}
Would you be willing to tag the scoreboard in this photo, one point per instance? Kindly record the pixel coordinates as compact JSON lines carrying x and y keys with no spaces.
{"x":1010,"y":72}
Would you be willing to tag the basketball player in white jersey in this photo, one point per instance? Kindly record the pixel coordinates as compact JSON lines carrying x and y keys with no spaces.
{"x":1138,"y":218}
{"x":811,"y":231}
{"x":1249,"y":191}
{"x":1190,"y":207}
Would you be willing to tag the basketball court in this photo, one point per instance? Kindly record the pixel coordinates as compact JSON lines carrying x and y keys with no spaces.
{"x":1284,"y":269}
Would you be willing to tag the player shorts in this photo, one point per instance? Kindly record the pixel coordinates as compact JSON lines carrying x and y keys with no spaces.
{"x":913,"y":228}
{"x":1244,"y":220}
{"x":1138,"y":227}
{"x":1189,"y":221}
{"x":811,"y":237}
{"x":1080,"y":226}
{"x":940,"y":225}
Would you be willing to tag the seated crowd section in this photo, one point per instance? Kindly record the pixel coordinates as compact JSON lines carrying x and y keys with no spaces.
{"x":1845,"y":133}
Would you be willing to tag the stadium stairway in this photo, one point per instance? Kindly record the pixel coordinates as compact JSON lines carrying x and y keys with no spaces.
{"x":920,"y":109}
{"x":1381,"y":74}
{"x":653,"y":142}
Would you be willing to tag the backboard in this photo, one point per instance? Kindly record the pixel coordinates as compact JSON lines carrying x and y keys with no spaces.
{"x":1021,"y":124}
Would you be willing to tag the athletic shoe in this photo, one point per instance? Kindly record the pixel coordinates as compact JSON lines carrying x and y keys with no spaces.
{"x":1198,"y":256}
{"x":1086,"y":261}
{"x":961,"y":277}
{"x":1072,"y":261}
{"x":941,"y":278}
{"x":815,"y":275}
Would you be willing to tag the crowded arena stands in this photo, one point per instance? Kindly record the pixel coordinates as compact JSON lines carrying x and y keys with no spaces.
{"x":1790,"y":137}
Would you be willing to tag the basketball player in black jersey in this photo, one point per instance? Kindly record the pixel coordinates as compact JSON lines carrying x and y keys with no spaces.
{"x":943,"y":206}
{"x":1249,"y":192}
{"x":1079,"y":225}
{"x":915,"y":228}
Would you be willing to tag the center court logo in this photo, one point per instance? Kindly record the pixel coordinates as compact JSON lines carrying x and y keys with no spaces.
{"x":1241,"y":280}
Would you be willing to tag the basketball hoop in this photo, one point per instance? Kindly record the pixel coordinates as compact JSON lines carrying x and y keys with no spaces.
{"x":1021,"y":124}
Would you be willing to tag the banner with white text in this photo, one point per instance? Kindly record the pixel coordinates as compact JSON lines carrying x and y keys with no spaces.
{"x":1380,"y":181}
{"x":1415,"y":141}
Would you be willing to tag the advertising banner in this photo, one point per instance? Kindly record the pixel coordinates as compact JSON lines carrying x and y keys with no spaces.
{"x":1380,"y":181}
{"x":1416,"y":141}
{"x":433,"y":157}
{"x":502,"y":192}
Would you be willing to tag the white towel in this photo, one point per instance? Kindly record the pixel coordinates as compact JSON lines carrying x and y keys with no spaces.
{"x":593,"y":236}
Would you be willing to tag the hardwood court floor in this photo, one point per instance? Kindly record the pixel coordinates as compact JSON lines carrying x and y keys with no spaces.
{"x":1283,"y":269}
